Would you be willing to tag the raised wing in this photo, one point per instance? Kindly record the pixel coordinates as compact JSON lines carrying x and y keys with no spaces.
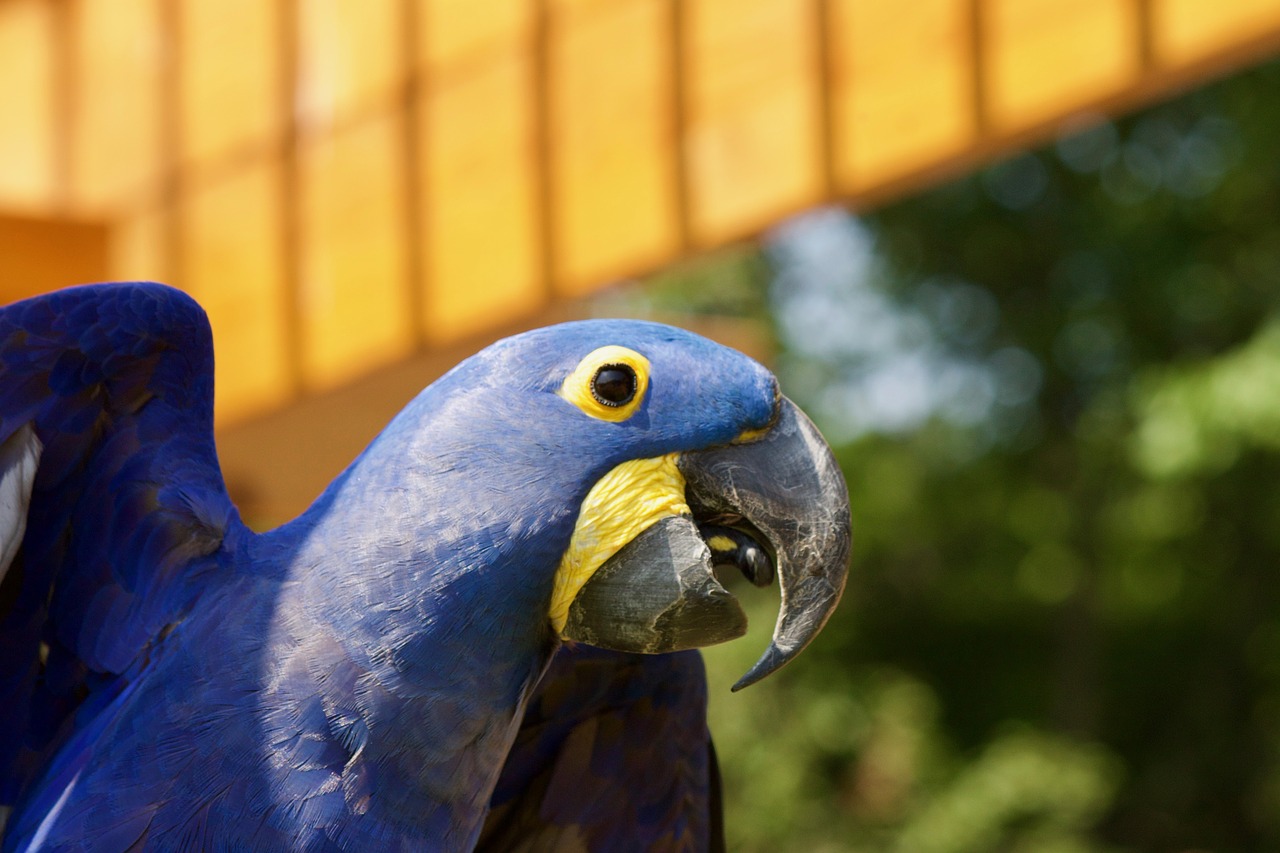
{"x":613,"y":754}
{"x":112,"y":505}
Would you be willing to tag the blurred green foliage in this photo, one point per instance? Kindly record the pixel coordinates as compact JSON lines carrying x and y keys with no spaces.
{"x":1056,"y":390}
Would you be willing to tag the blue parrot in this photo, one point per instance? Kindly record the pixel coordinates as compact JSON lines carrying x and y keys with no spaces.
{"x":478,"y":635}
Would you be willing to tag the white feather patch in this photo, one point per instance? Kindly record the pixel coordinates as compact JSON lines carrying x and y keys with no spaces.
{"x":19,"y":458}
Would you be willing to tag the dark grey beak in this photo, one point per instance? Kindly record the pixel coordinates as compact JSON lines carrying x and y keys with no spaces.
{"x":781,"y":498}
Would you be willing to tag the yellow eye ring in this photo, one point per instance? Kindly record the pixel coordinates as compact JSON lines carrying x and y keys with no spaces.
{"x":599,"y":384}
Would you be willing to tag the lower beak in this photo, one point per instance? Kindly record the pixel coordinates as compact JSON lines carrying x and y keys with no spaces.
{"x":784,"y":495}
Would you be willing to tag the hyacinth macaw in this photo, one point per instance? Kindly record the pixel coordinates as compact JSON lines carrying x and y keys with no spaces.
{"x":473,"y":637}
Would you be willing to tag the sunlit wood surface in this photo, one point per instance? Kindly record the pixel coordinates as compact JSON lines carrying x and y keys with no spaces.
{"x":34,"y":256}
{"x":348,"y":183}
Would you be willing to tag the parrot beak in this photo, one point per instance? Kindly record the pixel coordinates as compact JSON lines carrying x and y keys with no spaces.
{"x":777,"y":502}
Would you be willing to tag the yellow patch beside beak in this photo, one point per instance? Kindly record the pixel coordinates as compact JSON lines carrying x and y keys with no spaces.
{"x":622,"y":505}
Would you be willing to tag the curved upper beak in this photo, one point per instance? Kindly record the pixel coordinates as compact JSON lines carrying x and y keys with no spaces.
{"x":782,"y":494}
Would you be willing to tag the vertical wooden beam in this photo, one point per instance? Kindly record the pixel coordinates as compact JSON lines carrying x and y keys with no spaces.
{"x":979,"y":70}
{"x":680,"y":122}
{"x":287,"y":54}
{"x":65,"y":63}
{"x":825,"y":82}
{"x":1146,"y":38}
{"x":543,"y":177}
{"x":414,"y":208}
{"x":172,"y":183}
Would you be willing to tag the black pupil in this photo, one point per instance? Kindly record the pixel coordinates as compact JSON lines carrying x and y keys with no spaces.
{"x":614,"y":385}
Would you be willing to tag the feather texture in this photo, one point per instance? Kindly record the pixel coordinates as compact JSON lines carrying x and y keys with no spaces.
{"x":353,"y":680}
{"x":613,"y":754}
{"x":127,"y":505}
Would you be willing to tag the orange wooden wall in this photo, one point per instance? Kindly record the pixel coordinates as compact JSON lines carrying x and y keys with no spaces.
{"x":346,"y":182}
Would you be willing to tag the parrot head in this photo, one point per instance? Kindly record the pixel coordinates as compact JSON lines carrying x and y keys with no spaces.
{"x":680,"y":457}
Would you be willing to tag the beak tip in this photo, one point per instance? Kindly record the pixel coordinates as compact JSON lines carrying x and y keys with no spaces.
{"x":773,"y":659}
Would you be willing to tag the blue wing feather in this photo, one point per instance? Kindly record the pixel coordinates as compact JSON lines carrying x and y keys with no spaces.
{"x":117,"y":383}
{"x":613,"y":754}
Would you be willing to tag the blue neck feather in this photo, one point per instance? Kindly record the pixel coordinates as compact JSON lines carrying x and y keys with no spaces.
{"x":416,"y":604}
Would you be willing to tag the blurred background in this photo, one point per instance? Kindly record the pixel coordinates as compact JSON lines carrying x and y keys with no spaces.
{"x":1020,"y":259}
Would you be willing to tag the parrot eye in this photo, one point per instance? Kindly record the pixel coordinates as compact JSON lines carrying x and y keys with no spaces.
{"x":609,"y":384}
{"x":614,"y":384}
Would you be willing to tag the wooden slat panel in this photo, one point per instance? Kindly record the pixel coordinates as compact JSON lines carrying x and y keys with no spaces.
{"x":349,"y":57}
{"x":753,"y":136}
{"x":1049,"y":57}
{"x":40,"y":255}
{"x":614,"y":170}
{"x":483,"y":262}
{"x":230,"y":76}
{"x":902,"y":87}
{"x":903,"y":104}
{"x":116,"y":131}
{"x":456,"y":32}
{"x":233,"y":266}
{"x":355,"y":314}
{"x":139,"y":245}
{"x":578,"y":7}
{"x":1189,"y":30}
{"x":27,"y":112}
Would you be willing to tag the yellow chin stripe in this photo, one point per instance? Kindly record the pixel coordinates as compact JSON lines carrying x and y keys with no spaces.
{"x":751,"y":435}
{"x":623,"y":504}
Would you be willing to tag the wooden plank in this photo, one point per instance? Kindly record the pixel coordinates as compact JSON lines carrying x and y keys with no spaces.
{"x":45,"y":254}
{"x":230,"y":73}
{"x":1049,"y":58}
{"x":579,"y":7}
{"x":753,"y":134}
{"x":455,"y":33}
{"x":349,"y":61}
{"x":483,"y":263}
{"x":116,"y":124}
{"x":233,"y":264}
{"x":612,"y":167}
{"x":1190,"y":30}
{"x":354,"y":312}
{"x":139,"y":248}
{"x":28,"y":152}
{"x":902,"y":94}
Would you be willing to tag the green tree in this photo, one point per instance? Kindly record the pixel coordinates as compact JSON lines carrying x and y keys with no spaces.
{"x":1054,"y":387}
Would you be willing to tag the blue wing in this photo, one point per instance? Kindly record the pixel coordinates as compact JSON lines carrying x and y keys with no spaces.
{"x":613,"y":754}
{"x":127,"y":505}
